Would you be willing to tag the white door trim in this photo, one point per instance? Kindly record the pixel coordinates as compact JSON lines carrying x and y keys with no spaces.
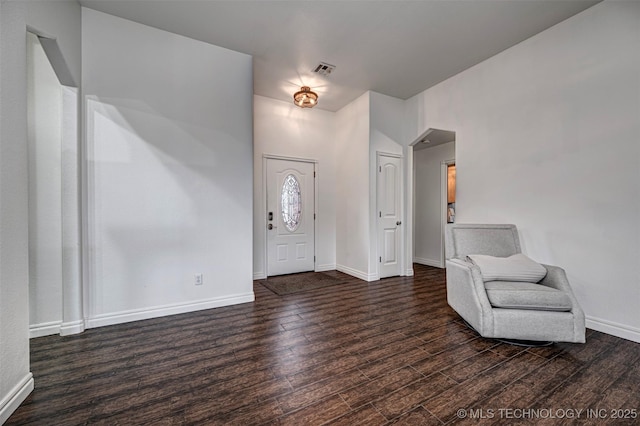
{"x":443,"y":205}
{"x":401,"y":246}
{"x":409,"y":194}
{"x":263,"y":215}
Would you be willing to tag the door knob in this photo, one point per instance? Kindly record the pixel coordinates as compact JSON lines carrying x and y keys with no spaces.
{"x":398,"y":223}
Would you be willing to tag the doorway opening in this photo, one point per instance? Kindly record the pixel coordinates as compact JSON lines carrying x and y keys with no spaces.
{"x":433,"y":194}
{"x":451,"y":191}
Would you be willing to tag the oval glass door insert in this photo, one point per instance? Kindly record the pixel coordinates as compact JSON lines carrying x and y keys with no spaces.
{"x":291,"y":203}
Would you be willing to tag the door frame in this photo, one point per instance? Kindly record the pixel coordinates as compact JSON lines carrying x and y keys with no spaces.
{"x":443,"y":204}
{"x":75,"y":285}
{"x":402,"y":242}
{"x":263,"y":220}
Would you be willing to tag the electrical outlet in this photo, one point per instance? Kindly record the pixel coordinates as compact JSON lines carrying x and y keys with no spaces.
{"x":199,"y":279}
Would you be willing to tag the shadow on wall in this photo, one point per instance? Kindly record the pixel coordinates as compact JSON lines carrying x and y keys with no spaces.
{"x":163,"y":195}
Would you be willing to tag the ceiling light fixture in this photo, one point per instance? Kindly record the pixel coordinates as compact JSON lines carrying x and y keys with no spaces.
{"x":305,"y":98}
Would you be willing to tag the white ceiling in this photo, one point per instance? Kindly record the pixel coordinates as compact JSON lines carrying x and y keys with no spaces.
{"x":395,"y":47}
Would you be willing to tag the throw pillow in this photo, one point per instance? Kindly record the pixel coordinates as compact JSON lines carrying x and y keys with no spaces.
{"x":513,"y":268}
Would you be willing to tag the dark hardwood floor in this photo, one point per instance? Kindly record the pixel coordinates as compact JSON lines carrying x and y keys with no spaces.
{"x":375,"y":353}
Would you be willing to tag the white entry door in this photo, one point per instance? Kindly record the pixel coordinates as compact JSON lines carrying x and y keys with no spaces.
{"x":389,"y":215}
{"x":290,"y":216}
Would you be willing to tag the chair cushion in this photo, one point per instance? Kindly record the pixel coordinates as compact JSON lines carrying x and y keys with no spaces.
{"x":513,"y":268}
{"x":520,"y":295}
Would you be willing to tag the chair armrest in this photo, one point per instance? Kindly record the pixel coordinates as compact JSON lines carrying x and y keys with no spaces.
{"x":557,"y":278}
{"x":467,"y":295}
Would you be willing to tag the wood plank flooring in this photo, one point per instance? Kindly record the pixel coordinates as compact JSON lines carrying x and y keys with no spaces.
{"x":386,"y":352}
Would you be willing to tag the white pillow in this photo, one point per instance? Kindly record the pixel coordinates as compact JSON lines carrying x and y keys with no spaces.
{"x":513,"y":268}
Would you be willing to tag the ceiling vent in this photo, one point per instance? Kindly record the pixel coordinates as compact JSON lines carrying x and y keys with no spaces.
{"x":324,"y":69}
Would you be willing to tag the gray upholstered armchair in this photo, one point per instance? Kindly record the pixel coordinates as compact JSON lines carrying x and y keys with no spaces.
{"x":542,"y":311}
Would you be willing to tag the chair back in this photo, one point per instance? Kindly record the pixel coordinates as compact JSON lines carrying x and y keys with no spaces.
{"x":462,"y":239}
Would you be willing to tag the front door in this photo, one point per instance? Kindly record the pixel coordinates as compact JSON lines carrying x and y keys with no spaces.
{"x":389,"y":215}
{"x":290,"y":216}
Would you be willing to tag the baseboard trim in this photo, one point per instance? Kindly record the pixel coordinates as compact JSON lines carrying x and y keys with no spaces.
{"x":358,"y":274}
{"x":259,"y":276}
{"x":161,"y":311}
{"x":428,"y":262}
{"x":326,"y":267}
{"x":613,"y":328}
{"x":409,"y":272}
{"x":71,"y":327}
{"x":14,"y":398}
{"x":44,"y":329}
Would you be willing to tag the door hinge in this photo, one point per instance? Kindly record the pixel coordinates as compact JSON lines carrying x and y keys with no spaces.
{"x":380,"y":169}
{"x":314,"y":258}
{"x":380,"y":259}
{"x":314,"y":174}
{"x":380,"y":214}
{"x":314,"y":216}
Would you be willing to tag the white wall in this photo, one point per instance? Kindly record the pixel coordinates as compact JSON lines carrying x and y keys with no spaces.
{"x":427,"y":205}
{"x":547,"y":137}
{"x":353,"y":239}
{"x":60,"y":20}
{"x":283,"y":129}
{"x":345,"y":145}
{"x":45,"y":193}
{"x":170,"y":171}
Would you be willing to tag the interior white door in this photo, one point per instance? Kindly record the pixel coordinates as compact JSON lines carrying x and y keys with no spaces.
{"x":290,"y":216}
{"x":389,"y":215}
